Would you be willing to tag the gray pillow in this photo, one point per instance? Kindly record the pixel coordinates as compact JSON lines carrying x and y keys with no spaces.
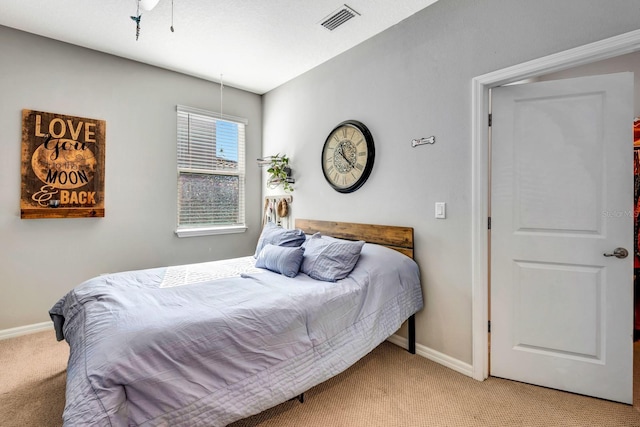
{"x":281,"y":259}
{"x":330,"y":259}
{"x":276,"y":235}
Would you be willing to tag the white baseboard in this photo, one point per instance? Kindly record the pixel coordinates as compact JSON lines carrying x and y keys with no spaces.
{"x":436,"y":356}
{"x":24,"y":330}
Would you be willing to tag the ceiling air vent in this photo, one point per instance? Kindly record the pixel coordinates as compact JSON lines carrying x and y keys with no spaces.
{"x":339,"y":17}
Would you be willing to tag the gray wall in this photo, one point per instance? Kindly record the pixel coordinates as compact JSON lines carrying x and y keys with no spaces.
{"x":42,"y":259}
{"x":412,"y":81}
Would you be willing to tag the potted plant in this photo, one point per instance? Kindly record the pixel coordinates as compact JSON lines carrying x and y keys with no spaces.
{"x":279,"y":172}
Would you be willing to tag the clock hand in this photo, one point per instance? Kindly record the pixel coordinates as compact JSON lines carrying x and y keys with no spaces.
{"x":347,"y":160}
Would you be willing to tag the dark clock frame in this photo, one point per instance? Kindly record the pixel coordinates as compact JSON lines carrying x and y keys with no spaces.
{"x":371,"y":154}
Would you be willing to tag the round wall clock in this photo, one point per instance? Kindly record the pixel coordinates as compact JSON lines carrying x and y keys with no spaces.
{"x":347,"y":156}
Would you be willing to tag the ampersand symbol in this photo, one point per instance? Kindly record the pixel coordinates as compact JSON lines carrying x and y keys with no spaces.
{"x":44,"y":195}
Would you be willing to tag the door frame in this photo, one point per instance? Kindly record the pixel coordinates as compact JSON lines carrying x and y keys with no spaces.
{"x":480,"y":85}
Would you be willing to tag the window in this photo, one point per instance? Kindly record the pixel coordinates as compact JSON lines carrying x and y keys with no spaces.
{"x":211,"y":173}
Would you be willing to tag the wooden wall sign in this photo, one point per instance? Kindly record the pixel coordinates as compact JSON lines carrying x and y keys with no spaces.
{"x":62,"y":166}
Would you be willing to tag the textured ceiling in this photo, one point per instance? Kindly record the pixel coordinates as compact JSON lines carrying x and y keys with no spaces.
{"x":254,"y":45}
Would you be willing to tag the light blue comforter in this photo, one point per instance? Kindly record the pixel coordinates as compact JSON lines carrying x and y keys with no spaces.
{"x":210,"y":352}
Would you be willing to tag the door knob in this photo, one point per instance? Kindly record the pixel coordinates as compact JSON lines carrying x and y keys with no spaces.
{"x":619,"y":253}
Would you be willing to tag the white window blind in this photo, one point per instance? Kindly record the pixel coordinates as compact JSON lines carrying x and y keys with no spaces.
{"x":211,"y":171}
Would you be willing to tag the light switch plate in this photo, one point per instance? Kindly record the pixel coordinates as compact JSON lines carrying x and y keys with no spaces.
{"x":441,"y":210}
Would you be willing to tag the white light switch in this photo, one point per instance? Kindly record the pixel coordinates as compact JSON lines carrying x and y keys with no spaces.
{"x":441,"y":210}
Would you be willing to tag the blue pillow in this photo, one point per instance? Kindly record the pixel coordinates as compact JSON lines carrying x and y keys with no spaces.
{"x":281,"y":259}
{"x":330,"y":259}
{"x":276,"y":235}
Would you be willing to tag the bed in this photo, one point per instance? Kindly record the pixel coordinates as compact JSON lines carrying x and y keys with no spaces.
{"x":211,"y":343}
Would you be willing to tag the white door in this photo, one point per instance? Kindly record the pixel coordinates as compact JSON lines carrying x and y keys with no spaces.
{"x":562,"y":197}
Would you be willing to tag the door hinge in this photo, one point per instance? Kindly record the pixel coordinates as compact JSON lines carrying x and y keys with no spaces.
{"x":489,"y":223}
{"x":490,"y":119}
{"x":489,"y":326}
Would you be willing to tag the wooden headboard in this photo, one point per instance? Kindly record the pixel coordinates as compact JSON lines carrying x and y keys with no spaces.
{"x":391,"y":236}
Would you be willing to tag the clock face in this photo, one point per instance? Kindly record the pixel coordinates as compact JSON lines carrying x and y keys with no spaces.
{"x":347,"y":156}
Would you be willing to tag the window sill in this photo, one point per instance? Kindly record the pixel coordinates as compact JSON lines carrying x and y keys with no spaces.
{"x":208,"y":231}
